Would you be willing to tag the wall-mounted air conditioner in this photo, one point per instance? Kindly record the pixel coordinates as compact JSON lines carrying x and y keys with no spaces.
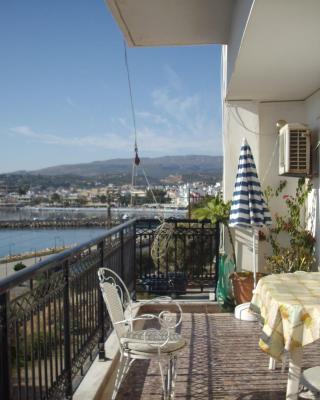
{"x":294,"y":150}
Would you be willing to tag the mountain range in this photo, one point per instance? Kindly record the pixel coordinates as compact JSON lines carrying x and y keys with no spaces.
{"x":167,"y":169}
{"x":159,"y":167}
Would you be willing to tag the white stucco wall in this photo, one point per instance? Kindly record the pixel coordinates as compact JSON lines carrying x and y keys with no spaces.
{"x":240,"y":15}
{"x":312,"y":105}
{"x":241,"y":120}
{"x":257,"y":123}
{"x":256,"y":120}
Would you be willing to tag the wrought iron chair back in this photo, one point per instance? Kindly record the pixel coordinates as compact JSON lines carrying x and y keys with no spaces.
{"x":163,"y":343}
{"x":117,"y":300}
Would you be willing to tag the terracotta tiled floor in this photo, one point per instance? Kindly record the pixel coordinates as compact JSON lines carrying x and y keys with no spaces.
{"x":221,"y":361}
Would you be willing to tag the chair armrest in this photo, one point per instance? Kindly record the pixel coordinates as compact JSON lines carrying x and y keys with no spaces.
{"x":165,"y":317}
{"x":159,"y":299}
{"x":139,"y":318}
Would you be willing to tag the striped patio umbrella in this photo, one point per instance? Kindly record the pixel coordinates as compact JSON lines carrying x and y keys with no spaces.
{"x":248,"y":208}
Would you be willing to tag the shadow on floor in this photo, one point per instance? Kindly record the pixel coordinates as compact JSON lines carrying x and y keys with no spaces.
{"x":222,"y":361}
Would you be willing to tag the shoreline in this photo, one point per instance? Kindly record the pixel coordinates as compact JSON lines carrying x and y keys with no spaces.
{"x":34,"y":254}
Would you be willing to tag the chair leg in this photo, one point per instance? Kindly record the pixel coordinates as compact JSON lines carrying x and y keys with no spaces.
{"x":169,"y":377}
{"x":174,"y":363}
{"x":120,"y":375}
{"x":272,"y":364}
{"x":164,"y":389}
{"x":169,"y":380}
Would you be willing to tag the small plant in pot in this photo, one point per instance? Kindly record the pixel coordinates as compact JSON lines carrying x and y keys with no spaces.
{"x":243,"y":283}
{"x":298,"y":255}
{"x":216,"y":210}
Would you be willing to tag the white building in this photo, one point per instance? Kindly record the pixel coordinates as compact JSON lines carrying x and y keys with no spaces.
{"x":270,"y":72}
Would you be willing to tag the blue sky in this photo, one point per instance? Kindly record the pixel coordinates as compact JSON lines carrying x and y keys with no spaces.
{"x":64,"y":95}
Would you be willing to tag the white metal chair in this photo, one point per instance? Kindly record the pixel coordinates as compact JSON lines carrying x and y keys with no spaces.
{"x":162,"y":343}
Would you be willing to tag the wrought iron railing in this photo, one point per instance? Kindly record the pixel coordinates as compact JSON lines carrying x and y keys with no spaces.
{"x":52,"y":318}
{"x":183,"y":257}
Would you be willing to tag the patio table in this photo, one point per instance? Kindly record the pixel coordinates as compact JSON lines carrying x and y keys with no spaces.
{"x":289,"y":305}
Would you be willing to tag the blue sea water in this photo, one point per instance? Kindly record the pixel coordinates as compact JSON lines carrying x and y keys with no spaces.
{"x":17,"y":241}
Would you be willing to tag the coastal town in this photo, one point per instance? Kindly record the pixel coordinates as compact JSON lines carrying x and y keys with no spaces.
{"x":111,"y":195}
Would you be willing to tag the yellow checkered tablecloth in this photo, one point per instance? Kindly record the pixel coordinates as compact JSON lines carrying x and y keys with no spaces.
{"x":289,"y":305}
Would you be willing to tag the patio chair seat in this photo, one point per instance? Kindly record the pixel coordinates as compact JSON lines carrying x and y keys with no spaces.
{"x":145,"y":341}
{"x":162,"y":343}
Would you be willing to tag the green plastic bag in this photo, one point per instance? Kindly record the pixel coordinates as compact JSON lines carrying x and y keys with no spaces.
{"x":224,"y":287}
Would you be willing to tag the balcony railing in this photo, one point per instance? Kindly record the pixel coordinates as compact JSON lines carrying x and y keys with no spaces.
{"x":53,"y":321}
{"x":183,"y":258}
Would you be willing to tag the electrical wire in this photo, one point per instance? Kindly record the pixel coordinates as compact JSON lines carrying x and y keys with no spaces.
{"x":164,"y":231}
{"x":130,"y":94}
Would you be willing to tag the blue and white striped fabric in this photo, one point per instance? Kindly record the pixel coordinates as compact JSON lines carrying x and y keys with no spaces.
{"x":248,"y":207}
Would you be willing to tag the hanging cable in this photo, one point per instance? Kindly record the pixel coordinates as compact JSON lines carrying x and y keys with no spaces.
{"x":164,"y":231}
{"x":137,"y":160}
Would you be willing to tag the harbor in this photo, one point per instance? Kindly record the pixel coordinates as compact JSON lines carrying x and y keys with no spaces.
{"x":28,"y":234}
{"x":21,"y":241}
{"x":62,"y":214}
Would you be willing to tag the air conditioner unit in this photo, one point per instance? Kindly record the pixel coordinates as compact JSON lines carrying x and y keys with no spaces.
{"x":294,"y":150}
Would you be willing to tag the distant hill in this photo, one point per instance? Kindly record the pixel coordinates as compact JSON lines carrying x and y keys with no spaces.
{"x":169,"y":169}
{"x":157,"y":168}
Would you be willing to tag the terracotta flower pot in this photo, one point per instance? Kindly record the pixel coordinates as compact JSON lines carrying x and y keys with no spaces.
{"x":242,"y":283}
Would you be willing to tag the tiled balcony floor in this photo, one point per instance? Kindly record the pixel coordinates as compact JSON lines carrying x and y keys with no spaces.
{"x":222,"y":361}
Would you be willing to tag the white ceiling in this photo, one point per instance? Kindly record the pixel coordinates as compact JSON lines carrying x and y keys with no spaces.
{"x":173,"y":22}
{"x":279,"y":58}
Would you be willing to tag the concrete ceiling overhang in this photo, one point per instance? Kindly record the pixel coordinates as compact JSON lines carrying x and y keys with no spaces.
{"x":279,"y":56}
{"x":173,"y":22}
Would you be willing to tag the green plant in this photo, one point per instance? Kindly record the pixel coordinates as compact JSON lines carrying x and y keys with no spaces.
{"x":216,"y":210}
{"x":19,"y":266}
{"x":299,"y":255}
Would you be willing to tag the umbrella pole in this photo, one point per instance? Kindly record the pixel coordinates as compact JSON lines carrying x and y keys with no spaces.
{"x":254,"y":257}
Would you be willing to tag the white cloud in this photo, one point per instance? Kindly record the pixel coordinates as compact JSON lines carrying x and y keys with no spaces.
{"x":151,"y":141}
{"x":109,"y":141}
{"x":153,"y":117}
{"x":173,"y":123}
{"x":177,"y":107}
{"x":186,"y":116}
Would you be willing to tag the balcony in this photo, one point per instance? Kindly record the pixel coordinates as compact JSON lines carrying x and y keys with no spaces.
{"x":221,"y":362}
{"x":53,"y":319}
{"x":54,"y":328}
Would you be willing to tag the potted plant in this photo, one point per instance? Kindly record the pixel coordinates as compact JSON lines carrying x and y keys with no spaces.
{"x":299,"y":255}
{"x":216,"y":210}
{"x":242,"y":282}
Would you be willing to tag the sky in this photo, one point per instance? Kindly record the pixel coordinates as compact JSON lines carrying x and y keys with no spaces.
{"x":64,"y":95}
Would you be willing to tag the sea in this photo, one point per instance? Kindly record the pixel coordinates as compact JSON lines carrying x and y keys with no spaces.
{"x":18,"y":241}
